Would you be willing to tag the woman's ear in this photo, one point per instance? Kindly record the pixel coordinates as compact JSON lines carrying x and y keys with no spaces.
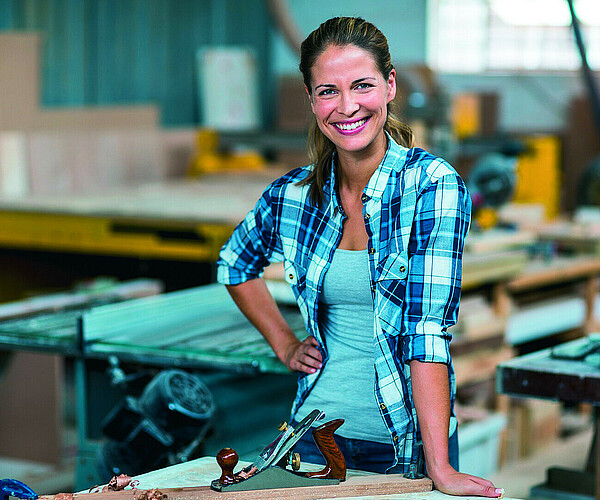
{"x":391,"y":82}
{"x":310,"y":100}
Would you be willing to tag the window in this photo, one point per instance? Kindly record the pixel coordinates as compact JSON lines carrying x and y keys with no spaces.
{"x":474,"y":36}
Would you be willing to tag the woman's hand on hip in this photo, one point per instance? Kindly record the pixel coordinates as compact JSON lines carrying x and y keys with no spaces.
{"x":303,"y":356}
{"x":453,"y":482}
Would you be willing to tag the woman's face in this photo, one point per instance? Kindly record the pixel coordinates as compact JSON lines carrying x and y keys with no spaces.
{"x":349,"y":98}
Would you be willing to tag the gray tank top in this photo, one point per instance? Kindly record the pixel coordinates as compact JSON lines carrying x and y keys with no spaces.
{"x":345,"y":388}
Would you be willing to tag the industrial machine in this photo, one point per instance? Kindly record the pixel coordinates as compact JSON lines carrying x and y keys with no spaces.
{"x":164,"y":426}
{"x":492,"y":180}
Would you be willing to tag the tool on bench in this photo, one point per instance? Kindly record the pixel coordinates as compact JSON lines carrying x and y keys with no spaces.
{"x":587,"y":351}
{"x":14,"y":488}
{"x":269,"y":469}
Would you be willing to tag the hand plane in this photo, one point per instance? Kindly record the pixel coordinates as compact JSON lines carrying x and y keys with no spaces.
{"x":269,"y":469}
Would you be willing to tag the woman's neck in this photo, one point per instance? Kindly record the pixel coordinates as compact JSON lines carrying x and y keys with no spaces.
{"x":356,"y":168}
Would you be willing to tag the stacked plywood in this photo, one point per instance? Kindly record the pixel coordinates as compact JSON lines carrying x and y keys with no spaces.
{"x":67,"y":150}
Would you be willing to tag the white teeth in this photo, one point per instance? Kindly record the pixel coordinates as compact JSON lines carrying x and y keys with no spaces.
{"x":351,"y":126}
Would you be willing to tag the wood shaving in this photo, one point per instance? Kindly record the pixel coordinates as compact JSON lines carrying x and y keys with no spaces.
{"x":118,"y":483}
{"x":64,"y":496}
{"x":153,"y":494}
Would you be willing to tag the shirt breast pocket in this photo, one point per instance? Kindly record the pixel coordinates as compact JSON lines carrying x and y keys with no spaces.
{"x":391,"y":290}
{"x":295,"y":275}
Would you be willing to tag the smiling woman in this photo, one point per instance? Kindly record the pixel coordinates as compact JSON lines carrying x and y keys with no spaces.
{"x":349,"y":99}
{"x":371,"y":235}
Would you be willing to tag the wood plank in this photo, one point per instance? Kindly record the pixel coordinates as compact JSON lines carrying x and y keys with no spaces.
{"x":559,"y":270}
{"x":372,"y":485}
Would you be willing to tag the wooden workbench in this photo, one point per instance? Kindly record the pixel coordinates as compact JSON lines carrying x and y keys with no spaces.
{"x":572,"y":280}
{"x":202,"y":471}
{"x":540,"y":375}
{"x":188,"y":220}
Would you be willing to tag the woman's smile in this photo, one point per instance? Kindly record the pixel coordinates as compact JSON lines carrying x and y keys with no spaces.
{"x":351,"y":127}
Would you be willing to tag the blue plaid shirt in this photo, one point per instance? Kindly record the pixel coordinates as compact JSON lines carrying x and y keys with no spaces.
{"x":416,"y":211}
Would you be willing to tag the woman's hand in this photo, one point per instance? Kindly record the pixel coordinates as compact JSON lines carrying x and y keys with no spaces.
{"x":256,"y":302}
{"x":452,"y":482}
{"x":303,"y":356}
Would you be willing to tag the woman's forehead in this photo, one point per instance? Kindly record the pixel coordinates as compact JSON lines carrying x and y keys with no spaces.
{"x":344,"y":62}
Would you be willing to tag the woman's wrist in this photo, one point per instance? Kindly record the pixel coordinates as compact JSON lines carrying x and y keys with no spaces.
{"x":439,"y":469}
{"x":285,"y":351}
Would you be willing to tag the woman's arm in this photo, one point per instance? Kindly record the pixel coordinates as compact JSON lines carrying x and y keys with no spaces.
{"x":256,"y":302}
{"x":431,"y":395}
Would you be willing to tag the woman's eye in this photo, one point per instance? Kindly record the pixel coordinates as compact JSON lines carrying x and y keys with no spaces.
{"x":325,"y":92}
{"x":363,"y":86}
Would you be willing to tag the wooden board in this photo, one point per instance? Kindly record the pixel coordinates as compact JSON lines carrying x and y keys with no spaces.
{"x":539,"y":274}
{"x":371,"y":485}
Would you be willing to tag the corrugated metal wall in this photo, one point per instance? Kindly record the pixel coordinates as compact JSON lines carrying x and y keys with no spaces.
{"x":99,"y":52}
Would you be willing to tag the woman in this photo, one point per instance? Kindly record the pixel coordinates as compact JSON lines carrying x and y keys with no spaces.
{"x":371,"y":236}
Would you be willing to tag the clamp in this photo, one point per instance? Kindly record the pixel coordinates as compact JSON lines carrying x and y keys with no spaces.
{"x":14,"y":488}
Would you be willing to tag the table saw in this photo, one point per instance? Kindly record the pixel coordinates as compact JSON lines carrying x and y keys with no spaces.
{"x":198,"y":329}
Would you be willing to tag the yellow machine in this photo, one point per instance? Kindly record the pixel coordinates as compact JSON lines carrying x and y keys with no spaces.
{"x":538,"y":174}
{"x":208,"y":158}
{"x":530,"y":177}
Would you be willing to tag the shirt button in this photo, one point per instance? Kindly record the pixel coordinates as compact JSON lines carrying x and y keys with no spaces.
{"x":371,"y":250}
{"x":396,"y":437}
{"x":291,"y":276}
{"x":367,"y":216}
{"x":364,"y":198}
{"x":402,"y":269}
{"x":382,"y":406}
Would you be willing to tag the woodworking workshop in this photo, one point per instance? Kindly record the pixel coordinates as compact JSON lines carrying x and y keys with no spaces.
{"x":299,"y":249}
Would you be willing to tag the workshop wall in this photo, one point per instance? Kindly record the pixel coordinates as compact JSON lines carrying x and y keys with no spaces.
{"x":403,"y":23}
{"x":141,"y":51}
{"x":135,"y":51}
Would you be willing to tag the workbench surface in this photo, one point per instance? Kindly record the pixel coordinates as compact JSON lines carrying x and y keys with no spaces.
{"x":222,"y":197}
{"x":202,"y":471}
{"x":182,"y":220}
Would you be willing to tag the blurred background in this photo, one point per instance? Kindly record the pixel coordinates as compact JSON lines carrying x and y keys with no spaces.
{"x":135,"y":135}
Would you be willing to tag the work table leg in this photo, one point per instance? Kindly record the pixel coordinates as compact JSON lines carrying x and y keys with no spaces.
{"x":591,"y":290}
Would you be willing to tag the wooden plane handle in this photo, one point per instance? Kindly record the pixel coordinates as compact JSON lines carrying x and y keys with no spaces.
{"x":227,"y":460}
{"x":335,"y":467}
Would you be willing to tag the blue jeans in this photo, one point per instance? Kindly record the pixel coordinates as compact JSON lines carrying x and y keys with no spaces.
{"x":363,"y":455}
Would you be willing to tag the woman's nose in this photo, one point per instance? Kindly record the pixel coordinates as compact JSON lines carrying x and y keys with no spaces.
{"x":348,"y":104}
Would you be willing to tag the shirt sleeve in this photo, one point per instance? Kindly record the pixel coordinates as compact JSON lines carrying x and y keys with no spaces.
{"x":441,"y":223}
{"x":252,"y":246}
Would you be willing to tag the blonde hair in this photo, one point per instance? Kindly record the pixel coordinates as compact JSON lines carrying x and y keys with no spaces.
{"x":342,"y":31}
